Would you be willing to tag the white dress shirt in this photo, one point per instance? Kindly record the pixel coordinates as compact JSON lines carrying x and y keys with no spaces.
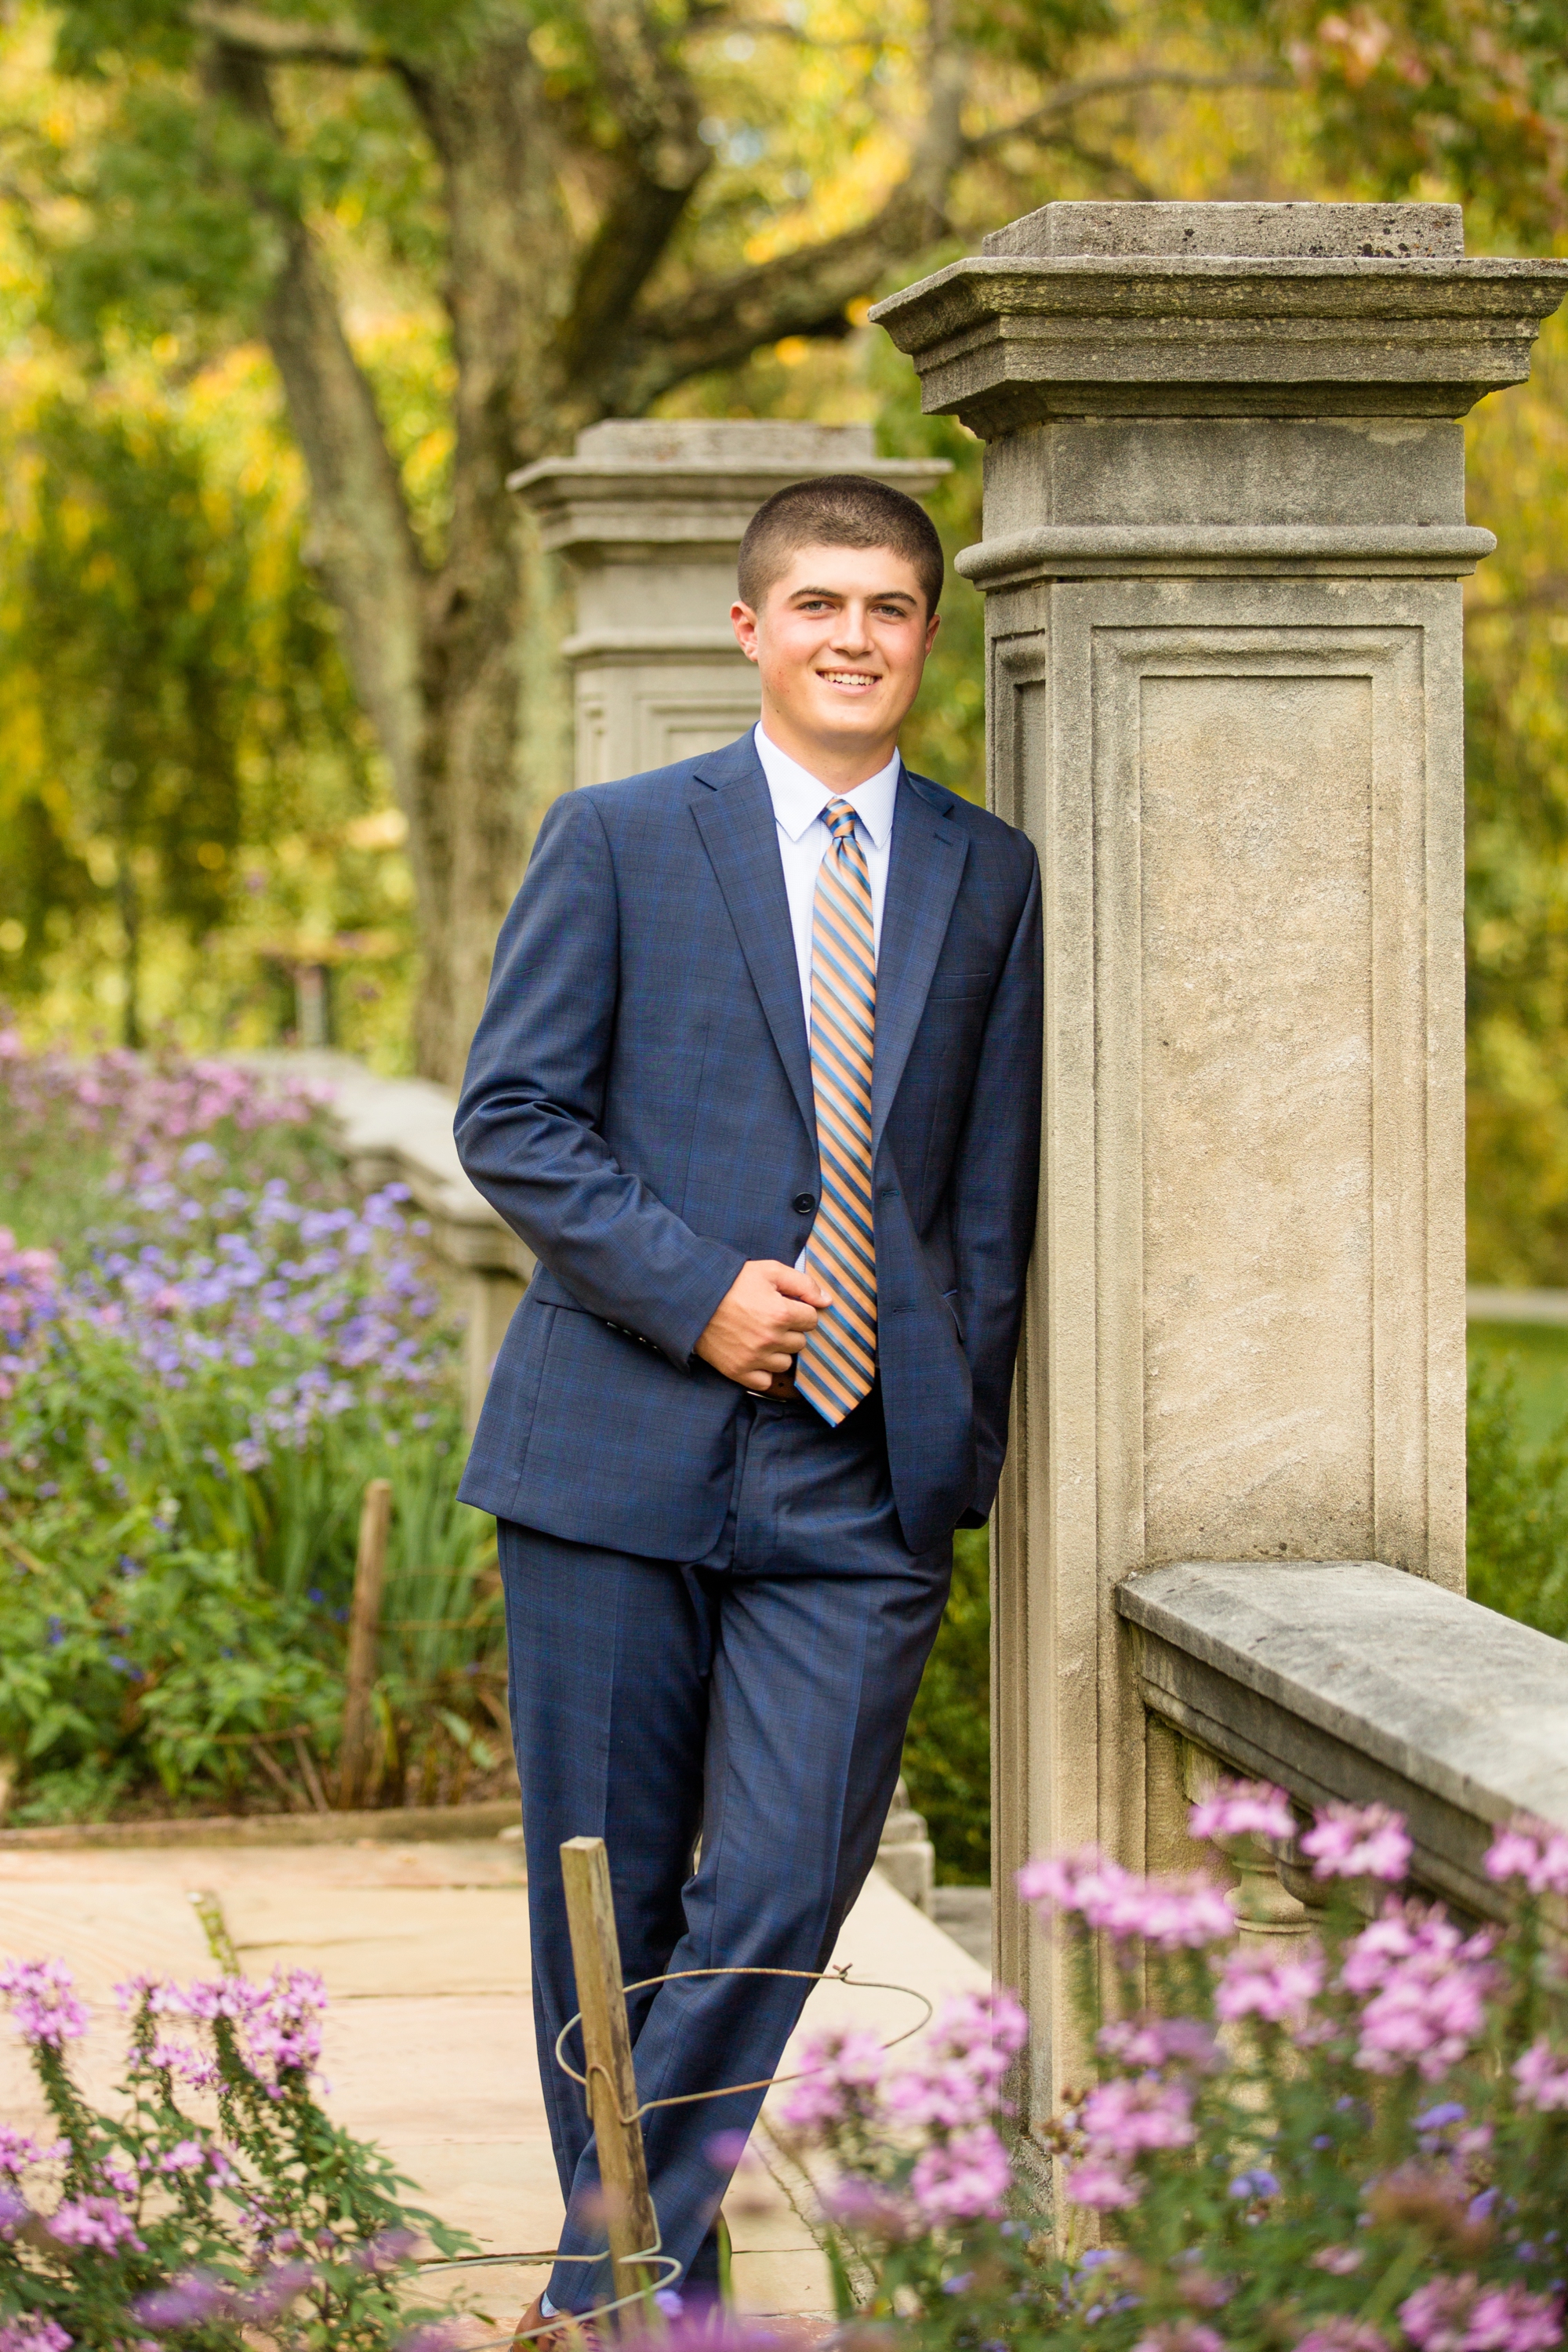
{"x":798,"y":802}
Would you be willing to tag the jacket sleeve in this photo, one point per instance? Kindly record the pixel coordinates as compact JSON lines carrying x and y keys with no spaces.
{"x":995,"y":1187}
{"x":528,"y":1123}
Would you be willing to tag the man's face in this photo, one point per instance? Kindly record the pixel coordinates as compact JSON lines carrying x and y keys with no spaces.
{"x":840,"y":642}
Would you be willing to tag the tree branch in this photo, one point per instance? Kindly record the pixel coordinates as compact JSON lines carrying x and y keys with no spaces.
{"x":361,"y":536}
{"x":664,"y":159}
{"x":720,"y":323}
{"x":253,"y":33}
{"x":1083,"y":93}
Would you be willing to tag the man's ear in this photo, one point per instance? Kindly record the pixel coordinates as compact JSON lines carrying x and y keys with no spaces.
{"x":743,"y":620}
{"x":932,"y":626}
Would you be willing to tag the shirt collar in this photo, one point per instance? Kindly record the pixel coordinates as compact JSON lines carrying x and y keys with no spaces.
{"x":799,"y":798}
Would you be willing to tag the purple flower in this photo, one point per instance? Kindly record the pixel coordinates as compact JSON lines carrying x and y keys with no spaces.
{"x":1358,"y":1842}
{"x":1243,"y":1808}
{"x":44,"y":2007}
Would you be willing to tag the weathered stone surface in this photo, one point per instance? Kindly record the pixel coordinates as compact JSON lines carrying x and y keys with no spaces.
{"x":649,"y":515}
{"x":1346,"y":1679}
{"x":1224,"y":528}
{"x":1221,"y":310}
{"x":1231,"y":231}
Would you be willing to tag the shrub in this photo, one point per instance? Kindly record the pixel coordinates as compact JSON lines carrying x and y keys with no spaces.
{"x":196,"y":1385}
{"x":216,"y":2204}
{"x":947,"y":1752}
{"x":1517,"y":1536}
{"x":1347,"y":2143}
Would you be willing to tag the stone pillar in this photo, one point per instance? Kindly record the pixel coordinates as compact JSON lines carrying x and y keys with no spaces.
{"x":648,"y":516}
{"x":1225,"y":532}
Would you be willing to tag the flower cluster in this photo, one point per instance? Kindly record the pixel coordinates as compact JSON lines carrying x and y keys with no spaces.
{"x":278,"y":2222}
{"x":1423,"y":1985}
{"x":1348,"y":2137}
{"x":937,"y":2113}
{"x":1169,"y":1913}
{"x":27,"y":1303}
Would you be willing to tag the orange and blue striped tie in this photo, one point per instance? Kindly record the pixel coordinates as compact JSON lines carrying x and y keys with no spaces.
{"x":838,"y":1364}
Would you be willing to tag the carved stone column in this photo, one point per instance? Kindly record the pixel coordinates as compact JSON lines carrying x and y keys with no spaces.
{"x":648,"y":516}
{"x":1225,"y":532}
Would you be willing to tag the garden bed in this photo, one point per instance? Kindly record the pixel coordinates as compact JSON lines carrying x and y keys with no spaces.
{"x":210,"y":1341}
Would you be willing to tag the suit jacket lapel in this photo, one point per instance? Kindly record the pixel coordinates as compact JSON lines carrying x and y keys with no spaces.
{"x":923,"y":874}
{"x":735,"y":815}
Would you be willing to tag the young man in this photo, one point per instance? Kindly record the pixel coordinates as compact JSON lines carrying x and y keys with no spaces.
{"x":758,"y":1081}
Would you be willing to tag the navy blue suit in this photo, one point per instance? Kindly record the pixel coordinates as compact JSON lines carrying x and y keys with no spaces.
{"x":720,"y":1608}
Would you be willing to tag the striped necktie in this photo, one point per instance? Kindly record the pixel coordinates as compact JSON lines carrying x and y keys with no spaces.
{"x":838,"y":1364}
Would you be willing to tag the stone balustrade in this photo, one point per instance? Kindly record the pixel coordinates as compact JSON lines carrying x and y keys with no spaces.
{"x":1348,"y":1680}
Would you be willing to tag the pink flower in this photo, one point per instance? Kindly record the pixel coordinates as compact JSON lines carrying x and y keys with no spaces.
{"x":1542,"y":2077}
{"x":869,"y":2208}
{"x":954,"y":2082}
{"x":1358,"y":1842}
{"x":1098,"y":2185}
{"x":1147,"y":2043}
{"x":839,"y":2071}
{"x":1121,"y":2119}
{"x":1279,"y":1988}
{"x":1243,"y":1808}
{"x":1454,"y":2314}
{"x":1510,"y":2319}
{"x":1340,"y":2332}
{"x":1532,"y":1850}
{"x":1428,"y":1987}
{"x":1180,"y":2335}
{"x":1173,"y":1914}
{"x":963,"y":2178}
{"x":185,"y":2156}
{"x":44,"y":2007}
{"x":33,"y":2336}
{"x":18,"y":2151}
{"x":94,"y":2221}
{"x":1338,"y":2261}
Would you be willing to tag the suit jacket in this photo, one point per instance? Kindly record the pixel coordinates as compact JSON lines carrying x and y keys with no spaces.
{"x":638,"y":1107}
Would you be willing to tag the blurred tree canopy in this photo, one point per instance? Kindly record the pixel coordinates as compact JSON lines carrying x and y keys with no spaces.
{"x":290,"y":287}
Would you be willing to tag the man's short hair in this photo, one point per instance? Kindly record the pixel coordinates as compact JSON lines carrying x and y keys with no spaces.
{"x":837,"y":510}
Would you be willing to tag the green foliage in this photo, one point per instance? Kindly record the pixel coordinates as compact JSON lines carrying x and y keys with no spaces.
{"x":1346,"y":2141}
{"x":194,"y":1390}
{"x":1517,"y":1536}
{"x":146,"y":2219}
{"x":947,"y":1751}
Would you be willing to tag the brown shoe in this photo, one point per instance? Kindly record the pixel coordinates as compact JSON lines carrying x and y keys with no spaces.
{"x":560,"y":2333}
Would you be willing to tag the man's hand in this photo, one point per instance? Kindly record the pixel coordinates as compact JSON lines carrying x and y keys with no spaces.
{"x":761,"y":1323}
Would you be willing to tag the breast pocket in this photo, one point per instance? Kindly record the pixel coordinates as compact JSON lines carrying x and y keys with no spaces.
{"x":952,"y":986}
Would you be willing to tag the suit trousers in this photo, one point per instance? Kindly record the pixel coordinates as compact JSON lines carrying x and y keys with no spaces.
{"x":756,"y":1699}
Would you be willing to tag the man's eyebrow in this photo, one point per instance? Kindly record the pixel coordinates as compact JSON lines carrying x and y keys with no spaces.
{"x":877,"y":595}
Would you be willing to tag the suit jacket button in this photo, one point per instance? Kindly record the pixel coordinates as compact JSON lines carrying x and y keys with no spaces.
{"x":804,"y":1203}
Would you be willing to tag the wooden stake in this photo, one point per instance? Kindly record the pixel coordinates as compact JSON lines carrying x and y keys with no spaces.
{"x":356,"y":1772}
{"x":608,"y":2062}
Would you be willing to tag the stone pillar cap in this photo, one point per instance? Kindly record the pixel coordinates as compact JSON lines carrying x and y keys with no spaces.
{"x":1221,"y":310}
{"x":634,"y":480}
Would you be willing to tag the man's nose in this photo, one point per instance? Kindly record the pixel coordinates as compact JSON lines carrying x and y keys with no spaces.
{"x":853,"y":637}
